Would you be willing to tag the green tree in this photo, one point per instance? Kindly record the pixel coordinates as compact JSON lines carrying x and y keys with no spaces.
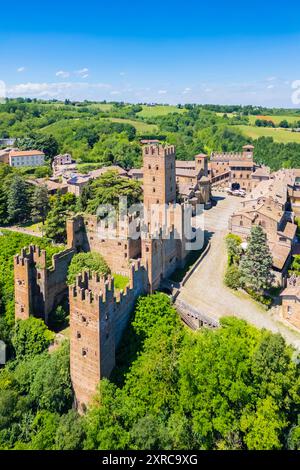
{"x":256,"y":264}
{"x":18,"y":201}
{"x":93,"y":262}
{"x":31,"y":337}
{"x":233,"y":243}
{"x":70,"y":432}
{"x":108,"y":189}
{"x":40,"y":203}
{"x":61,"y":207}
{"x":232,"y":278}
{"x":51,"y":387}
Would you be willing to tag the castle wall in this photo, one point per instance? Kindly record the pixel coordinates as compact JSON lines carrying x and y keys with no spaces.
{"x":98,"y":318}
{"x":86,"y":234}
{"x":38,"y":289}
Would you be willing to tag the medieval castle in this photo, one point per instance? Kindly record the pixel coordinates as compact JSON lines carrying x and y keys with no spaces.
{"x":99,"y":313}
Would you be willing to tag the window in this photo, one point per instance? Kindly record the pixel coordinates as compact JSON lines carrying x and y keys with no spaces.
{"x":78,"y":335}
{"x":149,"y":167}
{"x":84,"y":352}
{"x":241,"y":223}
{"x":289,"y":310}
{"x":153,"y":178}
{"x":83,"y":319}
{"x":153,"y":190}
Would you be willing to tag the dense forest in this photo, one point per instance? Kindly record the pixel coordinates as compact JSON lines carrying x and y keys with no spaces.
{"x":109,"y":133}
{"x":232,"y":388}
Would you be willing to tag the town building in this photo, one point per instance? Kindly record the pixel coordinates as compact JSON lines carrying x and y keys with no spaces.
{"x":290,"y":301}
{"x":267,"y":205}
{"x":21,"y":158}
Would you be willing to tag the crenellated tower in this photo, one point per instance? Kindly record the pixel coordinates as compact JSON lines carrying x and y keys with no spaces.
{"x":159,"y":181}
{"x":98,"y":316}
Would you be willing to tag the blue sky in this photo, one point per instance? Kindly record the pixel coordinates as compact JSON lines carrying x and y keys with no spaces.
{"x":158,"y":51}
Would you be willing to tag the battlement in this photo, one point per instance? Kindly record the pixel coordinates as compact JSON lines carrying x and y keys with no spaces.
{"x":38,"y":288}
{"x":92,"y":288}
{"x":158,"y":150}
{"x":98,"y":317}
{"x":30,"y":255}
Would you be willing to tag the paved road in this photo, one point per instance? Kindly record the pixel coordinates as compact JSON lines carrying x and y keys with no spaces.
{"x":16,"y":228}
{"x":205,"y":289}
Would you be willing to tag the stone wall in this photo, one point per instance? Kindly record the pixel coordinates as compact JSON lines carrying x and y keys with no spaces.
{"x":38,"y":289}
{"x":84,"y":233}
{"x":98,"y":317}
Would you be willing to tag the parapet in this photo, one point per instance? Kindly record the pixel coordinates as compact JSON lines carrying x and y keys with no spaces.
{"x":158,"y":150}
{"x":34,"y":255}
{"x":91,"y":288}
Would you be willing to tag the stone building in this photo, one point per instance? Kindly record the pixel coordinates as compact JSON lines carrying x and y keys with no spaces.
{"x":267,"y":205}
{"x":21,"y":158}
{"x":192,"y":181}
{"x":290,"y":301}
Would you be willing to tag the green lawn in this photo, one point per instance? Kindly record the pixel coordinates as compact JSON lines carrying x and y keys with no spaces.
{"x":279,"y":135}
{"x":159,"y":110}
{"x":141,"y":127}
{"x":101,"y":106}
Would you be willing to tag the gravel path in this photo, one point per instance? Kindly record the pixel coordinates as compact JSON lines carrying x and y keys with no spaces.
{"x":206,"y":291}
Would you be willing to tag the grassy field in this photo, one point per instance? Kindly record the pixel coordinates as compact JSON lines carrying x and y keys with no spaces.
{"x":276,"y":119}
{"x":101,"y":106}
{"x":159,"y":110}
{"x":140,"y":126}
{"x":279,"y":135}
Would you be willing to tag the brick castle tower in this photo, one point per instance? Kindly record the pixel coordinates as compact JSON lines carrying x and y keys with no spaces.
{"x":159,"y":180}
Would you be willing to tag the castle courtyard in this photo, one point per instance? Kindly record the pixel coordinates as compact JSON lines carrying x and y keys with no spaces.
{"x":205,"y":290}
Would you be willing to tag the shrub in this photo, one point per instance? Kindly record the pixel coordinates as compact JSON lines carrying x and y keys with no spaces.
{"x":31,"y":337}
{"x":90,"y":261}
{"x":232,"y":277}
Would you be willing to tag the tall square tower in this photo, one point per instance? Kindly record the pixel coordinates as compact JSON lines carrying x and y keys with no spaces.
{"x":159,"y":175}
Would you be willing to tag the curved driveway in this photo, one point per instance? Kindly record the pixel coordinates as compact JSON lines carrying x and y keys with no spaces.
{"x":205,"y":289}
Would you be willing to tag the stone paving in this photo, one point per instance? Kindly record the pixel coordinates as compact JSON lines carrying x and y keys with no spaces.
{"x":205,"y":289}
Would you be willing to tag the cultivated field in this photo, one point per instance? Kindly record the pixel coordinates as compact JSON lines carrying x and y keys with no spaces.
{"x":279,"y":135}
{"x":159,"y":110}
{"x":276,"y":119}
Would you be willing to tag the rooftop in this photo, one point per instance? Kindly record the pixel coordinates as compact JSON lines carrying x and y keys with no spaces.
{"x":25,"y":153}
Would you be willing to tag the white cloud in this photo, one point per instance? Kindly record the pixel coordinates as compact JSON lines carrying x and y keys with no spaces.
{"x":62,"y":74}
{"x":83,"y":73}
{"x":186,"y":91}
{"x":271,"y":79}
{"x":21,"y":69}
{"x":58,"y":90}
{"x":115,"y":92}
{"x":270,"y":87}
{"x":162,"y":92}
